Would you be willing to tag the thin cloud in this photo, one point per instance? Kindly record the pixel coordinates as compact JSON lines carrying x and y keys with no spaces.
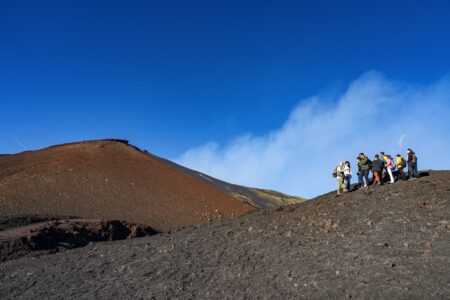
{"x":20,"y":143}
{"x":373,"y":115}
{"x":400,"y":140}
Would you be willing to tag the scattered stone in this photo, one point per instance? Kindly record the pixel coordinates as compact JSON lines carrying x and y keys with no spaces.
{"x":60,"y":235}
{"x":389,"y":263}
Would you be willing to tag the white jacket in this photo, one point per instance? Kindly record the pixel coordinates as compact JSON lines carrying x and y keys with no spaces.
{"x":347,"y":171}
{"x":340,"y":171}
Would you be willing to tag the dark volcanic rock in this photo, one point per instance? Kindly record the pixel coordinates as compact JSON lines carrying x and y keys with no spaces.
{"x":390,"y":243}
{"x":58,"y":235}
{"x":9,"y":221}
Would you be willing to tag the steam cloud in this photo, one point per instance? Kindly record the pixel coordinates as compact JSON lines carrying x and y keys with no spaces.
{"x":374,"y":114}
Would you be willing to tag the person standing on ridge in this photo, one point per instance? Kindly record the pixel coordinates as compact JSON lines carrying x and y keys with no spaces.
{"x":359,"y":173}
{"x":416,"y":168}
{"x":412,"y":164}
{"x":390,"y":166}
{"x":384,"y":157}
{"x":401,"y":164}
{"x":377,"y":168}
{"x":383,"y":161}
{"x":365,"y":167}
{"x":339,"y":174}
{"x":347,"y":174}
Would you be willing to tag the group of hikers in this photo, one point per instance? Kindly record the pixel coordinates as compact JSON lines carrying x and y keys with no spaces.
{"x":383,"y":168}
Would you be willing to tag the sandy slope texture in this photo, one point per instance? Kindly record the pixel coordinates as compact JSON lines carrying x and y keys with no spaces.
{"x":391,"y":242}
{"x":109,"y":179}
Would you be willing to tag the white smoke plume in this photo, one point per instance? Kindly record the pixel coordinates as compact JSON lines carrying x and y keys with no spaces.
{"x":374,"y":114}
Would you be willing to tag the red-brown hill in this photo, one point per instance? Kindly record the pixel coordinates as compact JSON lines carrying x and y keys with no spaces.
{"x":109,"y":179}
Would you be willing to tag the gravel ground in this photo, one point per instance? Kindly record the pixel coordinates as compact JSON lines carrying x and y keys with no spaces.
{"x":56,"y":235}
{"x":391,"y":241}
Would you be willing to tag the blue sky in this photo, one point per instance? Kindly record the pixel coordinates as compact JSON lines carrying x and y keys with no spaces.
{"x":172,"y":76}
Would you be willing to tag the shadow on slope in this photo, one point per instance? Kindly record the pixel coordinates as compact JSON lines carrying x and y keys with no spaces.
{"x":260,"y":198}
{"x":34,"y":235}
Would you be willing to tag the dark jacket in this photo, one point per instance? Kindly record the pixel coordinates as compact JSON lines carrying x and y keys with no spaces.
{"x":376,"y":166}
{"x":364,"y":164}
{"x":412,"y":159}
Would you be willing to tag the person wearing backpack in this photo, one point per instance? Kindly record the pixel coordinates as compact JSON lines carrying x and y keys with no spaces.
{"x":365,"y":167}
{"x":360,"y":182}
{"x":412,"y":164}
{"x":416,"y":168}
{"x":383,"y":162}
{"x":401,"y":164}
{"x":377,"y":168}
{"x":338,"y":172}
{"x":389,"y":167}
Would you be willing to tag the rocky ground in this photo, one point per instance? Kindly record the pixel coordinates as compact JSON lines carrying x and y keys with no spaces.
{"x":10,"y":221}
{"x":387,"y":242}
{"x":29,"y":235}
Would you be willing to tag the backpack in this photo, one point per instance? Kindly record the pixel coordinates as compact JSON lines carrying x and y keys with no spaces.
{"x":335,"y":173}
{"x":377,"y":163}
{"x":403,"y":163}
{"x":369,"y":162}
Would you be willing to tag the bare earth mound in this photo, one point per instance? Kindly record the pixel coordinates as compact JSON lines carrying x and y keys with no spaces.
{"x":383,"y":243}
{"x":109,"y":180}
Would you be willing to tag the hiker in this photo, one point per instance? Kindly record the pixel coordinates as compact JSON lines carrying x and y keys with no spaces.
{"x":360,"y":182}
{"x":377,"y":168}
{"x":347,"y":174}
{"x":401,"y":164}
{"x":383,"y":161}
{"x":416,"y":168}
{"x":364,"y":164}
{"x":389,"y":167}
{"x":412,"y":164}
{"x":339,"y":174}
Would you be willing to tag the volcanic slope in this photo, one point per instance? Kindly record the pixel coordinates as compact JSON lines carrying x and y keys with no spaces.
{"x":389,"y":242}
{"x":261,"y":198}
{"x":109,"y":179}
